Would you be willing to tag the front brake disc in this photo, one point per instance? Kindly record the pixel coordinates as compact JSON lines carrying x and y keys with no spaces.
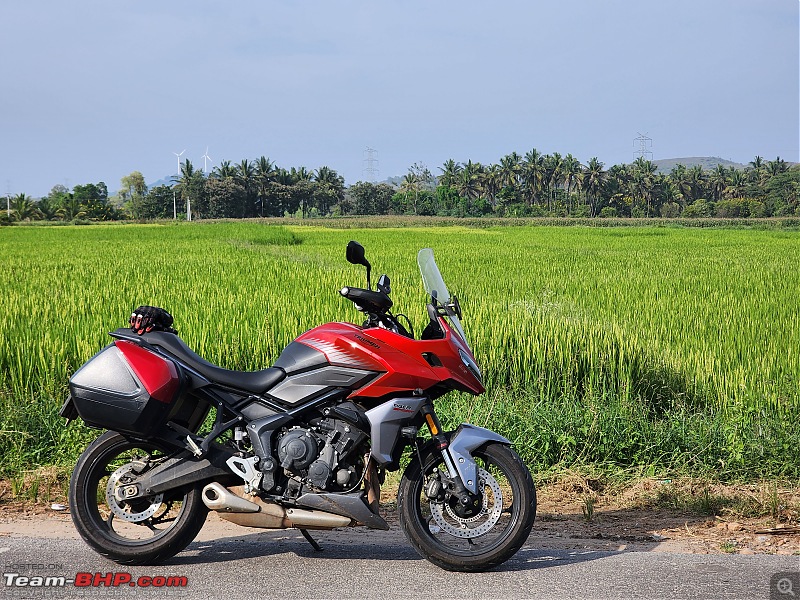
{"x":460,"y":527}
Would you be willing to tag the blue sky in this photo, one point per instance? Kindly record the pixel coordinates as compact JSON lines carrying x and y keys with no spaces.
{"x":94,"y":90}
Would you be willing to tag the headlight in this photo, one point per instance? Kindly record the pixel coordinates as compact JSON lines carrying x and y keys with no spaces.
{"x":470,"y":364}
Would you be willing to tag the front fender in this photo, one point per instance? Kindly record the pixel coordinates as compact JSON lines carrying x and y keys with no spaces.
{"x":466,"y":439}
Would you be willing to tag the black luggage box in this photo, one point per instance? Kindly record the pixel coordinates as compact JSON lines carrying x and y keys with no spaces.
{"x":127,"y":388}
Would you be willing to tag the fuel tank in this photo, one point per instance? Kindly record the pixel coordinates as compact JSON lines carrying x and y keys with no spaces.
{"x":399,"y":364}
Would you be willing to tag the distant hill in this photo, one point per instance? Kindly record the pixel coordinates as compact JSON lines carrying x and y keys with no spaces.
{"x":709,"y":163}
{"x":163,"y":181}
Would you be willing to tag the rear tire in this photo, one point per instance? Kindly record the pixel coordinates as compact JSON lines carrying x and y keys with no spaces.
{"x":482,"y":541}
{"x":128,"y":533}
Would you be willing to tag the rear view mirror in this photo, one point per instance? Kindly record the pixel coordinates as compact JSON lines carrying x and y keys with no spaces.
{"x":355,"y":255}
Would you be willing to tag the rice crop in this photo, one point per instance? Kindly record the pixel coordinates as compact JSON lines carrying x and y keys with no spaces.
{"x":641,"y":349}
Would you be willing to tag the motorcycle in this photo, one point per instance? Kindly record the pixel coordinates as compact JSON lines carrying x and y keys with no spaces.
{"x":303,"y":444}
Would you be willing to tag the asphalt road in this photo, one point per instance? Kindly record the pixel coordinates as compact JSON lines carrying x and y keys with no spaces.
{"x":361,"y":564}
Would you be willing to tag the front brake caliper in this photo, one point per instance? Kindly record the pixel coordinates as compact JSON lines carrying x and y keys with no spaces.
{"x":434,"y":489}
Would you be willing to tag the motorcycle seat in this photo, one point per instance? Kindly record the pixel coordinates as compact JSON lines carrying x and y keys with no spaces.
{"x":256,"y":382}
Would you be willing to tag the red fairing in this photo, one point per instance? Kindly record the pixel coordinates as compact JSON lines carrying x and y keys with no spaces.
{"x":398,"y":357}
{"x":159,"y":376}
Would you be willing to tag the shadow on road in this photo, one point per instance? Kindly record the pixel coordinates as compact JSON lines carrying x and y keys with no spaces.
{"x":363,"y":545}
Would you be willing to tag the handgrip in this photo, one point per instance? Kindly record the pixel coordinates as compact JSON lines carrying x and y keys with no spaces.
{"x":367,"y":300}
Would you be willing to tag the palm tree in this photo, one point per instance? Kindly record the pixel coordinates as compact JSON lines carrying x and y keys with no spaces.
{"x":533,"y":174}
{"x":680,"y":177}
{"x":492,"y":180}
{"x":332,"y":184}
{"x":510,"y":169}
{"x":467,"y":184}
{"x":450,"y":172}
{"x":571,"y":168}
{"x":592,"y":180}
{"x":644,"y":180}
{"x":24,"y":209}
{"x":265,"y":175}
{"x":409,"y":185}
{"x":225,"y":170}
{"x":718,"y":182}
{"x":246,"y":175}
{"x":776,"y":167}
{"x":552,"y":169}
{"x":697,"y":182}
{"x":50,"y":209}
{"x":184,"y":183}
{"x":738,"y":184}
{"x":72,"y":207}
{"x":301,"y":174}
{"x":757,"y":170}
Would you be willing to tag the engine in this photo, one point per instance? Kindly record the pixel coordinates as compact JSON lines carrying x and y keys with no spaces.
{"x":323,"y":455}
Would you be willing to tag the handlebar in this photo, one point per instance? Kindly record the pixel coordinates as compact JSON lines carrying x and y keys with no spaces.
{"x":367,"y":301}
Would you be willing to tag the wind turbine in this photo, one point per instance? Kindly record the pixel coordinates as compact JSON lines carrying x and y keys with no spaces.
{"x":206,"y":157}
{"x":179,"y":161}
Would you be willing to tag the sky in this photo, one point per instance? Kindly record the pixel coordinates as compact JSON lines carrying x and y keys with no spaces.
{"x":91,"y":91}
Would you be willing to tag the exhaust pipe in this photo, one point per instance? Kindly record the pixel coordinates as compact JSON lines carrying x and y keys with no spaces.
{"x":219,"y":498}
{"x":266,"y":515}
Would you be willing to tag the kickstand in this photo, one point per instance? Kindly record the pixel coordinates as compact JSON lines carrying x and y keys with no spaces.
{"x":311,"y":540}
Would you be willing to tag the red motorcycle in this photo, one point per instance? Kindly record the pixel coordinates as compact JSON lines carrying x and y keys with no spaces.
{"x":304,"y":444}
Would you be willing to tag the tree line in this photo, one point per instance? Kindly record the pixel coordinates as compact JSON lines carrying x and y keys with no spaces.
{"x":533,"y":185}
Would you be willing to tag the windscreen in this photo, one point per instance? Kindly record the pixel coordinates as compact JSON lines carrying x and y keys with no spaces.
{"x":436,"y":288}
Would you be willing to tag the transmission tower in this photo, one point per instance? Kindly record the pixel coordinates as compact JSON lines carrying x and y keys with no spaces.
{"x":644,"y":144}
{"x":371,"y":170}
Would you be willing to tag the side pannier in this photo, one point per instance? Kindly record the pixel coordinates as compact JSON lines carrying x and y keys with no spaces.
{"x":128,"y":388}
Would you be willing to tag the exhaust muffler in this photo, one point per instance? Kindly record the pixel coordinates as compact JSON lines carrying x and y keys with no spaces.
{"x":230,"y":505}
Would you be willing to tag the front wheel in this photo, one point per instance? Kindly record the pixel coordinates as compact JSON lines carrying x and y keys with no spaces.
{"x":473,"y":537}
{"x":143,"y":531}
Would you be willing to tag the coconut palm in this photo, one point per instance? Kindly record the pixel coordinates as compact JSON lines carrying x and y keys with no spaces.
{"x":533,"y":175}
{"x":697,"y":182}
{"x":510,"y":170}
{"x":450,"y":173}
{"x":644,"y":181}
{"x":552,"y":175}
{"x":225,"y":170}
{"x":187,"y":185}
{"x":593,"y":178}
{"x":737,"y":184}
{"x":467,"y":184}
{"x":718,"y":182}
{"x":571,"y":169}
{"x":246,"y":176}
{"x":330,"y":186}
{"x":301,"y":174}
{"x":265,"y":175}
{"x":410,"y":187}
{"x":680,"y":178}
{"x":492,"y":180}
{"x":776,"y":167}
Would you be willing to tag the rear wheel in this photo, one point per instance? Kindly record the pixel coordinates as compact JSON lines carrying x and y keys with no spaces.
{"x":142,"y":531}
{"x":481,"y":534}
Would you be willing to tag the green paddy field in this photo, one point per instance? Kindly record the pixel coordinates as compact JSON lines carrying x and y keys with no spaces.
{"x":638,"y":350}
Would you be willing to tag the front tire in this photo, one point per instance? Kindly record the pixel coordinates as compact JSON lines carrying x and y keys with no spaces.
{"x":483,"y":538}
{"x":145,"y":531}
